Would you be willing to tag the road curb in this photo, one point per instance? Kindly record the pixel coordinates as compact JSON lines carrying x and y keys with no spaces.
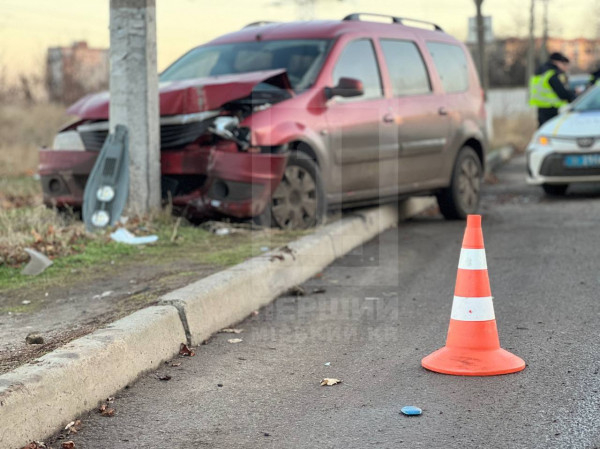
{"x":38,"y":398}
{"x":495,"y":159}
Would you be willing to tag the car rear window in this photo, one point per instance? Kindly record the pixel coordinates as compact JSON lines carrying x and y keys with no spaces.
{"x":451,"y":64}
{"x":358,"y":61}
{"x":406,"y":67}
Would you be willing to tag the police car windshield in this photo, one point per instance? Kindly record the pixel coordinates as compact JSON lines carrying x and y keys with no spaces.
{"x":302,"y":60}
{"x":588,"y":102}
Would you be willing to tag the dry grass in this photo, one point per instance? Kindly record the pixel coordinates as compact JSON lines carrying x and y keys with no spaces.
{"x":515,"y":130}
{"x":24,"y":129}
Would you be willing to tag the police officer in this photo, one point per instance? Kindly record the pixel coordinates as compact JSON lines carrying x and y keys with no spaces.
{"x":547,"y":87}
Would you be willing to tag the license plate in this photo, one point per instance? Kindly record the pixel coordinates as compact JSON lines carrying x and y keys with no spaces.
{"x":583,"y":160}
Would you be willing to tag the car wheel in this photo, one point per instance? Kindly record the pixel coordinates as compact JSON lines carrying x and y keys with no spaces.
{"x":462,"y":197}
{"x":299,"y":200}
{"x":555,"y":189}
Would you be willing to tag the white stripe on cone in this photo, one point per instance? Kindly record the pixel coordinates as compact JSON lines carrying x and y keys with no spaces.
{"x":472,"y":259}
{"x":472,"y":309}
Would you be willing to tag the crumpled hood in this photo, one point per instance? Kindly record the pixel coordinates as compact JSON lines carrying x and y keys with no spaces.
{"x":189,"y":96}
{"x":573,"y":124}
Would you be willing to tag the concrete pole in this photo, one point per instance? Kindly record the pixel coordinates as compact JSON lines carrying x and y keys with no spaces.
{"x":134,"y":96}
{"x":483,"y":73}
{"x":531,"y":45}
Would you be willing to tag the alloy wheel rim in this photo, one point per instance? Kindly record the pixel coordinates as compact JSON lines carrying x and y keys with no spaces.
{"x":294,"y":203}
{"x":469,"y":184}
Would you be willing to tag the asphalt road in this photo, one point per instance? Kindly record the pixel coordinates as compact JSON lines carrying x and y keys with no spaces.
{"x":386,"y":306}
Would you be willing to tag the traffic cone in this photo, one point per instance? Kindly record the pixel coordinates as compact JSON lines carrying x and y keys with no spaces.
{"x":472,"y":346}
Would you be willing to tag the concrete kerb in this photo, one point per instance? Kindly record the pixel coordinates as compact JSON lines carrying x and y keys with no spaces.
{"x":38,"y":398}
{"x":497,"y":158}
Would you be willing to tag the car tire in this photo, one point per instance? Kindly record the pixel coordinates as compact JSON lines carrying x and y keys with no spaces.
{"x":462,"y":196}
{"x":299,"y":201}
{"x":555,"y":189}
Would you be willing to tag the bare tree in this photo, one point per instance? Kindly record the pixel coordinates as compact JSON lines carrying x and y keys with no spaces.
{"x":544,"y":49}
{"x":531,"y":45}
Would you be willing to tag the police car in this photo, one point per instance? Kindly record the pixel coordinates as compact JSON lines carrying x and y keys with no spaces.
{"x":566,"y":149}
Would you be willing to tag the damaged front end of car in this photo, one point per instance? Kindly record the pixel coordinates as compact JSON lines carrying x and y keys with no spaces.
{"x":210,"y":163}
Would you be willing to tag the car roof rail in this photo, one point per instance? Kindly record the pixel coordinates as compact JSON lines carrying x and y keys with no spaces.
{"x":259,"y":24}
{"x":398,"y":20}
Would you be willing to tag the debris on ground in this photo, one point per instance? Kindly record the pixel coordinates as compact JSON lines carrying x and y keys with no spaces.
{"x":26,"y":302}
{"x":230,"y":330}
{"x":105,"y":411}
{"x":275,"y":257}
{"x":163,"y":377}
{"x":411,"y":410}
{"x":122,"y":235}
{"x":254,"y":313}
{"x":37,"y":264}
{"x":287,"y":250}
{"x":235,"y":340}
{"x":371,"y":298}
{"x":327,"y":382}
{"x":68,"y":445}
{"x":175,"y":364}
{"x":327,"y":363}
{"x":103,"y":295}
{"x":34,"y":338}
{"x":319,"y":290}
{"x":223,"y":231}
{"x":296,"y":290}
{"x":264,"y":249}
{"x":35,"y":445}
{"x":74,"y":426}
{"x":185,"y":351}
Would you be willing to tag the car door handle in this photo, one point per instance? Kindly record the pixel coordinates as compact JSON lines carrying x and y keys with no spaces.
{"x":442,"y":111}
{"x":388,"y":118}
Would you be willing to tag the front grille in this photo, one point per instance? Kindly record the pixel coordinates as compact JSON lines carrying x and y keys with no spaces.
{"x":171,"y":136}
{"x":553,"y":166}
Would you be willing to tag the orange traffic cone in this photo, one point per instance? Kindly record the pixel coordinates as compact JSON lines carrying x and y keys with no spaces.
{"x":472,"y":346}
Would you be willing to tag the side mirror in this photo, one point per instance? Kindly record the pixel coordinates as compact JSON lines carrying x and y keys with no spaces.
{"x":347,"y":87}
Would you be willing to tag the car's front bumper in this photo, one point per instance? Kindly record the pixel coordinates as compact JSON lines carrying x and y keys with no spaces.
{"x":545,"y":165}
{"x":202,"y":180}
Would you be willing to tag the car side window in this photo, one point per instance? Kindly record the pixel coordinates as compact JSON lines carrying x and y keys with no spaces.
{"x":451,"y":64}
{"x":406,"y":67}
{"x":358,"y":61}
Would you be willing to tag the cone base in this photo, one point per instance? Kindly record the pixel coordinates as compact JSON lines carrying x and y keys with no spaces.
{"x":469,"y":362}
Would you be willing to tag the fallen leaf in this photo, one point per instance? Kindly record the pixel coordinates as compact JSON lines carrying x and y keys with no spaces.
{"x":102,"y":408}
{"x":163,"y":377}
{"x":327,"y":382}
{"x":185,"y":351}
{"x":68,"y":445}
{"x":235,"y":340}
{"x":105,"y":411}
{"x":256,"y":312}
{"x":229,"y":330}
{"x":34,"y":445}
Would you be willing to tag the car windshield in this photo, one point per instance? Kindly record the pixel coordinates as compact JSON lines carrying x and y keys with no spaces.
{"x":302,"y":59}
{"x":588,"y":102}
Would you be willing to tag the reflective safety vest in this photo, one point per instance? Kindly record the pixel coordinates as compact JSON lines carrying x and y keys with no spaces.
{"x":541,"y":93}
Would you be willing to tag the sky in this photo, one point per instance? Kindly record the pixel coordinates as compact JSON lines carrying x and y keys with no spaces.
{"x":29,"y":27}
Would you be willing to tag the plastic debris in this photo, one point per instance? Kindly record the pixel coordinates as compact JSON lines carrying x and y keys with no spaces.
{"x":327,"y":382}
{"x":223,"y":231}
{"x":264,"y":249}
{"x":37,"y":264}
{"x":411,"y":410}
{"x":327,"y":363}
{"x":229,"y":330}
{"x":25,"y":302}
{"x":235,"y":340}
{"x":122,"y":235}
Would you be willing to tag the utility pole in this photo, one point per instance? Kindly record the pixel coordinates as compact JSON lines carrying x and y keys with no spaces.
{"x":544,"y":52}
{"x":483,"y":73}
{"x":531,"y":45}
{"x":134,"y":96}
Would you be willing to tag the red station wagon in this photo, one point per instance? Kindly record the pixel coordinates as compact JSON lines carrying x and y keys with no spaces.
{"x":281,"y":121}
